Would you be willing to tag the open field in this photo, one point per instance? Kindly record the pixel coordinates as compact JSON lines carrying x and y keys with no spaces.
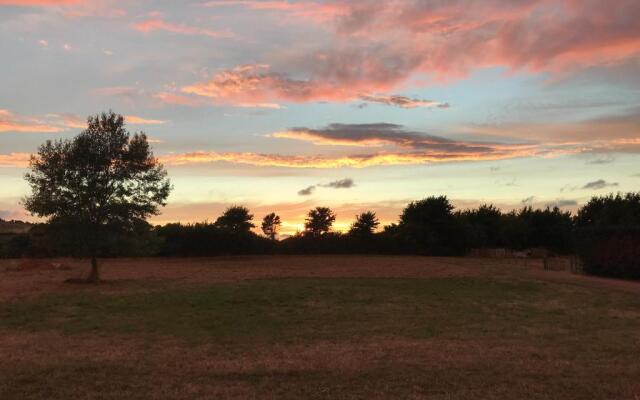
{"x":318,"y":327}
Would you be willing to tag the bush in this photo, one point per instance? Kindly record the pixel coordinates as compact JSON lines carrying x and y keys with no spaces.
{"x":608,"y":233}
{"x":205,"y":239}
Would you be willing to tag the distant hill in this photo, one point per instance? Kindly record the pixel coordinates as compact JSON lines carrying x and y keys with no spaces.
{"x":14,"y":227}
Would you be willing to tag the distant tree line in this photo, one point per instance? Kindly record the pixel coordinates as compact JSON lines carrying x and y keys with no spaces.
{"x":605,"y":233}
{"x":97,"y":190}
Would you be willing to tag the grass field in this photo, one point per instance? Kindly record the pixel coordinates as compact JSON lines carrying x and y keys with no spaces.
{"x":318,"y":327}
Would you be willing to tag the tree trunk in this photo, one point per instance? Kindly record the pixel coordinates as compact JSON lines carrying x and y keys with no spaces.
{"x":94,"y":276}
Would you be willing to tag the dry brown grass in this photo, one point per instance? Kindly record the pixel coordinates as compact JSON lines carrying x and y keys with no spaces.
{"x":59,"y":367}
{"x":134,"y":274}
{"x":551,"y":362}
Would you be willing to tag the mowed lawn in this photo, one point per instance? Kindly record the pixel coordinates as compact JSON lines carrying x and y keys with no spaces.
{"x":318,"y":327}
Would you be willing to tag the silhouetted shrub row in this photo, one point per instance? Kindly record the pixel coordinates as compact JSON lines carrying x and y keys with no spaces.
{"x":605,"y":233}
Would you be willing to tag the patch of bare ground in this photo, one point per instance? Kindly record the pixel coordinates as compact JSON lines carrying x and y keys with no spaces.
{"x":54,"y":366}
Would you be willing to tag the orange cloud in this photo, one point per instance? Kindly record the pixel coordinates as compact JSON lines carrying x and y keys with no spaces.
{"x":10,"y":122}
{"x":19,"y":160}
{"x":325,"y":141}
{"x":351,"y":161}
{"x":142,"y":121}
{"x":161,"y":25}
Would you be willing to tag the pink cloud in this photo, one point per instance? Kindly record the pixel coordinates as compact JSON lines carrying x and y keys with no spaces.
{"x":457,"y":35}
{"x":33,"y":3}
{"x":380,"y":46}
{"x":151,"y":25}
{"x":10,"y":122}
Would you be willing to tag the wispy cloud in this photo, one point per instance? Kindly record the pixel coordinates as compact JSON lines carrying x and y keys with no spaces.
{"x":599,"y":184}
{"x":385,"y":134}
{"x":151,"y":25}
{"x":309,"y":10}
{"x":562,"y":203}
{"x":528,"y":200}
{"x":126,"y":92}
{"x":321,"y":161}
{"x":38,"y":3}
{"x":403,"y":102}
{"x":307,"y":191}
{"x":256,"y":84}
{"x":346,"y":183}
{"x":132,"y":119}
{"x":20,"y":160}
{"x":10,"y":122}
{"x":176,"y":99}
{"x":602,"y":159}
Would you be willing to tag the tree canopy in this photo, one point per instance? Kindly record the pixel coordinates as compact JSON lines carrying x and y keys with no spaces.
{"x":236,"y":219}
{"x":271,"y":225}
{"x":319,"y":221}
{"x":365,"y":224}
{"x":101,"y":182}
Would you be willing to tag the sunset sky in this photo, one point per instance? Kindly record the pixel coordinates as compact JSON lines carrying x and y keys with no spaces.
{"x":287,"y":105}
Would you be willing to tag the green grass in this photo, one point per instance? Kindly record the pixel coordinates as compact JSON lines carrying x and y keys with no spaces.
{"x":306,"y":309}
{"x":452,"y":338}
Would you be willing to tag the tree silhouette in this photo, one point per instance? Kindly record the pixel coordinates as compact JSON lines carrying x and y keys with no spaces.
{"x":101,"y":183}
{"x":608,"y":235}
{"x":235,"y":219}
{"x":319,"y":221}
{"x":611,"y":211}
{"x":271,"y":225}
{"x":428,"y":226}
{"x":484,"y":225}
{"x":365,"y":224}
